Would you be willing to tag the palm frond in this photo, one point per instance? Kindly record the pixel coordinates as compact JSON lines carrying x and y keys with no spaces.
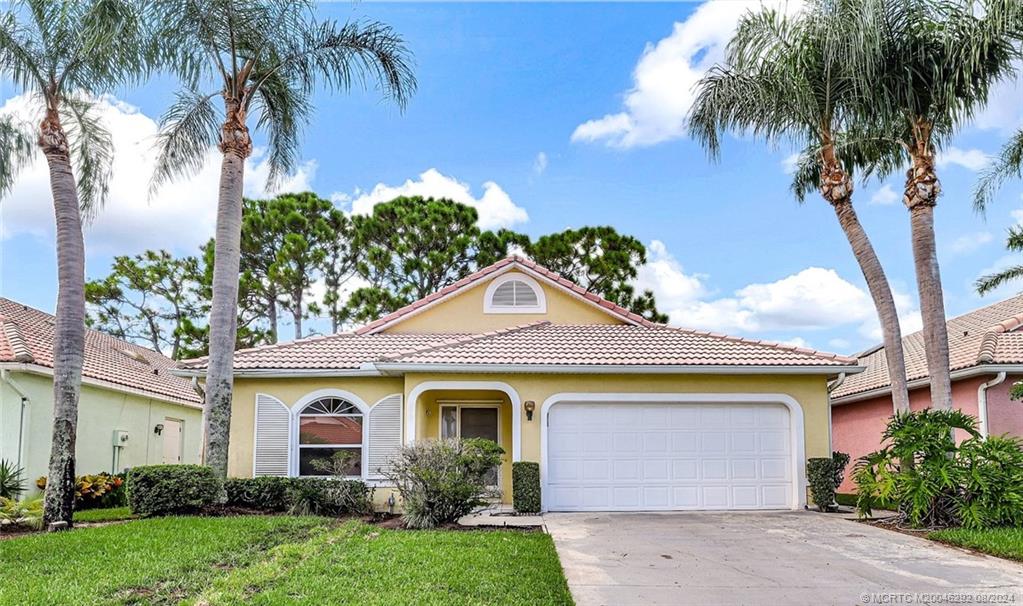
{"x":283,"y":111}
{"x":16,"y":151}
{"x":91,"y":149}
{"x":188,"y":130}
{"x":347,"y":55}
{"x":21,"y":56}
{"x":1008,"y":164}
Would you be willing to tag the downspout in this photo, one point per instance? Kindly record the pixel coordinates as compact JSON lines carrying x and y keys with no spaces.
{"x":982,"y":401}
{"x":5,"y":376}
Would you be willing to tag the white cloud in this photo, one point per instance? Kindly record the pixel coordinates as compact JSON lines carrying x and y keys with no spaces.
{"x":540,"y":164}
{"x":1003,"y":111}
{"x":968,"y":243}
{"x":812,"y":299}
{"x":495,"y":206}
{"x":664,"y":275}
{"x":970,"y":159}
{"x":797,"y":342}
{"x":664,"y":79}
{"x":790,"y":164}
{"x":839,"y":345}
{"x":884,"y":196}
{"x":180,"y":217}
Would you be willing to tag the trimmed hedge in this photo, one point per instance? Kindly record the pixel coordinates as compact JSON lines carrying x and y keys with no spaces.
{"x":155,"y":490}
{"x":824,"y":476}
{"x":318,"y":496}
{"x":526,"y":486}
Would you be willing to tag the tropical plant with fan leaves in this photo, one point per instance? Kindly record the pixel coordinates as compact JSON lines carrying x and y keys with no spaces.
{"x":62,"y":56}
{"x":254,"y":64}
{"x":797,"y":79}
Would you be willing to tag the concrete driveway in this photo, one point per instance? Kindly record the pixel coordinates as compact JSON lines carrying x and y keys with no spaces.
{"x":766,"y":558}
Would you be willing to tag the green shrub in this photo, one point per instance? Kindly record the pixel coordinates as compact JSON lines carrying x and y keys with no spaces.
{"x":329,"y":497}
{"x":166,"y":489}
{"x":302,"y":496}
{"x":21,"y":514}
{"x":526,"y":486}
{"x":266,"y":493}
{"x":442,"y":480}
{"x":935,"y":482}
{"x":992,"y":484}
{"x":12,"y":480}
{"x":824,"y":476}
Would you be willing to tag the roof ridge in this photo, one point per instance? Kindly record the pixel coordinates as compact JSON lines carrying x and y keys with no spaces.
{"x":986,"y":351}
{"x":269,"y":346}
{"x":1008,"y":325}
{"x":528,"y":264}
{"x":766,"y":343}
{"x":463,"y":340}
{"x":12,"y":332}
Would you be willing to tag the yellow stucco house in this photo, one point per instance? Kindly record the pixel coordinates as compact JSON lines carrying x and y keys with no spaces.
{"x":620,"y":413}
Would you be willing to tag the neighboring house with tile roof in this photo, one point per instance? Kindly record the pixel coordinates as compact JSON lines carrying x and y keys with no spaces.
{"x":621,"y":413}
{"x":127,"y":390}
{"x":986,"y":359}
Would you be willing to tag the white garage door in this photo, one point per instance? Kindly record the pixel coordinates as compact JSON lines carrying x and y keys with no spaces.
{"x":666,"y":456}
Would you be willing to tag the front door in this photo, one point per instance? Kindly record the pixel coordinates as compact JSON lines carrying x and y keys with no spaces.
{"x":171,"y":441}
{"x":472,"y":421}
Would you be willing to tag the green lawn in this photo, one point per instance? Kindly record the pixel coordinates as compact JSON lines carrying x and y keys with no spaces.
{"x":103,"y":515}
{"x":361,"y":564}
{"x":1001,"y":542}
{"x":278,"y":560}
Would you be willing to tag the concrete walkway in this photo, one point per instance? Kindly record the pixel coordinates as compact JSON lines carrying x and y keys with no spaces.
{"x":766,"y":558}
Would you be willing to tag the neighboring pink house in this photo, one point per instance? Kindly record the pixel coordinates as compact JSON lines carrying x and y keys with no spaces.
{"x":986,"y":355}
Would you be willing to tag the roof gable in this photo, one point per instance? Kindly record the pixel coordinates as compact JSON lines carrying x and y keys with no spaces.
{"x":553,"y":283}
{"x":26,"y":337}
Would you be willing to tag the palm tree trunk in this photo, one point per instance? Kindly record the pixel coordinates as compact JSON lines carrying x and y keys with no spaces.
{"x":921,"y":196}
{"x":837,"y":188}
{"x":236,"y":146}
{"x":297,"y":313}
{"x":271,"y":310}
{"x":69,"y":328}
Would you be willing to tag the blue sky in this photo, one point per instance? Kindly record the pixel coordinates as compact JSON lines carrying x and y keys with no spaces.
{"x":547,"y":116}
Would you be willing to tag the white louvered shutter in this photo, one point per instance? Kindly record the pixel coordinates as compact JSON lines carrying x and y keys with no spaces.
{"x":384,"y":434}
{"x":272,"y":431}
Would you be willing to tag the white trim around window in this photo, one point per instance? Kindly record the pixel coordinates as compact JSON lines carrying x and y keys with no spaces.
{"x":511,"y":276}
{"x":311,"y":397}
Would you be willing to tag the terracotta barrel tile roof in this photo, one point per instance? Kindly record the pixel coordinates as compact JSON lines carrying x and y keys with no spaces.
{"x":983,"y":336}
{"x":637,"y":342}
{"x":27,"y":337}
{"x":540,"y":343}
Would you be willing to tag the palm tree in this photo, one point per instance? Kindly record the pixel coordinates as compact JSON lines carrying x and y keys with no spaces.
{"x":1008,"y":164}
{"x":63,"y":55}
{"x":1014,"y":242}
{"x":261,"y":60}
{"x":794,"y":79}
{"x":937,"y":61}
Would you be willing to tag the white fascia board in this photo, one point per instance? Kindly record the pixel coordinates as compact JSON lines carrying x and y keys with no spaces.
{"x":46,"y":371}
{"x":962,"y":373}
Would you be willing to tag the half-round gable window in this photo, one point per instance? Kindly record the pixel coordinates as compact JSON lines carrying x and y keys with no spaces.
{"x":326,"y":427}
{"x":514,"y":294}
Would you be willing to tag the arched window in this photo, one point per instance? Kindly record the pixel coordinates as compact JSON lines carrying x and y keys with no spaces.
{"x":514,"y":293}
{"x":328,"y":426}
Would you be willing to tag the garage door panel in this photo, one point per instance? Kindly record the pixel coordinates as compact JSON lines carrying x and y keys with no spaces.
{"x":668,"y":456}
